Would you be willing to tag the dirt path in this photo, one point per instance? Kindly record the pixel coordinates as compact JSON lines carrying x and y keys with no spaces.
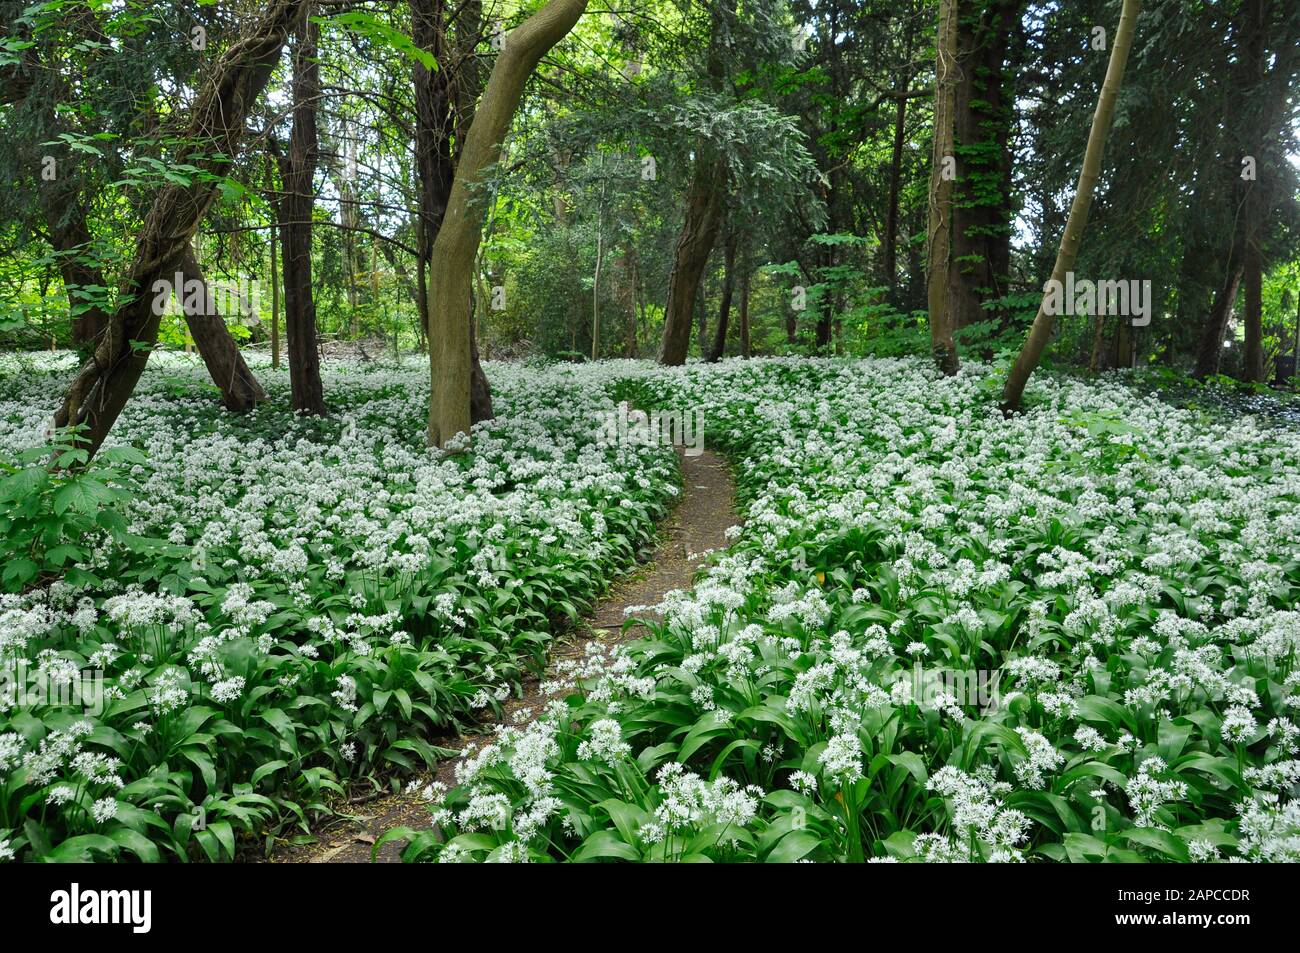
{"x":696,"y":526}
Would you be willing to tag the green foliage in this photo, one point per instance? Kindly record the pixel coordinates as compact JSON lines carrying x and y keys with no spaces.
{"x":55,"y":504}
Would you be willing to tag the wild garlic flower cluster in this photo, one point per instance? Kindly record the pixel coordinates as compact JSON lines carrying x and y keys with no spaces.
{"x":1081,"y":610}
{"x":293,"y":602}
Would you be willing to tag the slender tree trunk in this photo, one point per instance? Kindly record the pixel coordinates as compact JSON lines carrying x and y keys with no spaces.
{"x":105,"y":383}
{"x":239,"y":388}
{"x":942,"y":344}
{"x":451,"y":344}
{"x":595,"y":278}
{"x":1041,"y":330}
{"x":630,"y":300}
{"x":889,"y":250}
{"x":1252,"y":315}
{"x":298,"y":173}
{"x":275,"y":297}
{"x":744,"y":306}
{"x":728,"y":287}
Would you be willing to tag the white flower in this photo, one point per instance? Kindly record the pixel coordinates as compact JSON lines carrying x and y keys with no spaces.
{"x":842,"y":758}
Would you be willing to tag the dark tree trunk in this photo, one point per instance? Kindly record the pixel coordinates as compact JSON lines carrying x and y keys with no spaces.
{"x":1259,"y":126}
{"x":298,"y":171}
{"x":744,"y":306}
{"x":275,"y":297}
{"x":702,"y":218}
{"x":1252,"y":316}
{"x":981,"y":226}
{"x":70,"y":238}
{"x":889,"y":250}
{"x":728,"y":287}
{"x":699,"y":231}
{"x":105,"y":383}
{"x":1211,"y":350}
{"x":239,"y":388}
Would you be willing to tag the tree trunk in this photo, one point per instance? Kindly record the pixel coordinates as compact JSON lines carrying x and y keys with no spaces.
{"x":1041,"y":330}
{"x":298,"y":171}
{"x":981,"y":226}
{"x":70,"y":239}
{"x":451,"y":344}
{"x":1098,"y":339}
{"x":440,"y":116}
{"x":275,"y":297}
{"x":1252,"y":315}
{"x":699,"y":231}
{"x":105,"y":383}
{"x":1211,"y":349}
{"x":239,"y":388}
{"x":728,"y":286}
{"x":744,"y":306}
{"x":942,"y":345}
{"x":889,"y":251}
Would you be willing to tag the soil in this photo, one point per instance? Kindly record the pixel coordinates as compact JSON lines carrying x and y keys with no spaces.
{"x":695,"y":527}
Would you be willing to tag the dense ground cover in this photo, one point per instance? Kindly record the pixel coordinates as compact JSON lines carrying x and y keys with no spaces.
{"x":249,"y":613}
{"x":942,"y":635}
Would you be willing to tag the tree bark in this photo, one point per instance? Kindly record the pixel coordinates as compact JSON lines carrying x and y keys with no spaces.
{"x":275,"y":297}
{"x":942,"y":344}
{"x":728,"y":287}
{"x":240,"y":390}
{"x":451,"y":344}
{"x":699,"y":231}
{"x":889,"y":251}
{"x":70,"y":238}
{"x":105,"y":383}
{"x":981,"y":226}
{"x":441,"y":116}
{"x":1252,"y":315}
{"x":744,"y":306}
{"x":1041,"y":330}
{"x":1211,"y":349}
{"x":297,"y":173}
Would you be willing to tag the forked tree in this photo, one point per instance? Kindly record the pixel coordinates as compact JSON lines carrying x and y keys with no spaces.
{"x":105,"y":383}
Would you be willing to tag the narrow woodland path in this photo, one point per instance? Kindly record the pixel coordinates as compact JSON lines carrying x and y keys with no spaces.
{"x":696,"y":526}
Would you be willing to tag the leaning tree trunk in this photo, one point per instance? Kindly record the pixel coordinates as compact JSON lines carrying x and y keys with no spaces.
{"x":105,"y":383}
{"x":942,"y":344}
{"x":1041,"y":330}
{"x":451,"y":339}
{"x":694,"y":245}
{"x":297,"y":173}
{"x":728,"y":287}
{"x":239,"y":388}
